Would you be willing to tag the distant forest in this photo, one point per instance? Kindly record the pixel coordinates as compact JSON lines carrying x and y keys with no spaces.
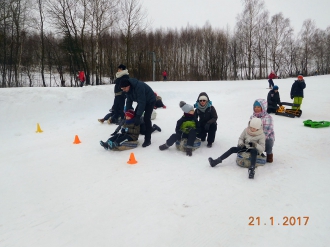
{"x":63,"y":37}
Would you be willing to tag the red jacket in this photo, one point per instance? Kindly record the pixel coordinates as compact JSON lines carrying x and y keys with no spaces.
{"x":272,"y":76}
{"x":81,"y":76}
{"x":164,"y":73}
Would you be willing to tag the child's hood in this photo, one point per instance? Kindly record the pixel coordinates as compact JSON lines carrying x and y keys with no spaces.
{"x":263,"y":104}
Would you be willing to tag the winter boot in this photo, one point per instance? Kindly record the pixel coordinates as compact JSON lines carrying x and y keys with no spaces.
{"x":156,"y":127}
{"x":104,"y":144}
{"x":209,"y":145}
{"x":269,"y":158}
{"x":146,"y":144}
{"x":213,"y":162}
{"x":101,"y":120}
{"x":163,"y":147}
{"x":112,"y":144}
{"x":251,"y":172}
{"x":109,"y":121}
{"x":189,"y":151}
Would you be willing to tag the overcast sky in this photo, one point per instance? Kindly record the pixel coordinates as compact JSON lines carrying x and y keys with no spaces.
{"x":178,"y":13}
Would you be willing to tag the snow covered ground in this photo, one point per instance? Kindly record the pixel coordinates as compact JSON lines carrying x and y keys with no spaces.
{"x":55,"y":193}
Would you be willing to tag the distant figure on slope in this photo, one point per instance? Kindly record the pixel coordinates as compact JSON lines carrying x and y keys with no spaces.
{"x":297,"y":91}
{"x":186,"y":127}
{"x":207,"y":117}
{"x":251,"y":140}
{"x":260,"y":111}
{"x":164,"y":74}
{"x":159,"y":102}
{"x":129,"y":132}
{"x":273,"y":99}
{"x":81,"y":77}
{"x":271,"y":76}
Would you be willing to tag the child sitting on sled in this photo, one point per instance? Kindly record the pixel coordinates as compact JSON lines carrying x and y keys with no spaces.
{"x":129,"y":132}
{"x":251,"y":140}
{"x":186,"y":127}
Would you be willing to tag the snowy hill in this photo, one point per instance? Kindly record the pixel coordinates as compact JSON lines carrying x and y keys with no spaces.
{"x":55,"y":193}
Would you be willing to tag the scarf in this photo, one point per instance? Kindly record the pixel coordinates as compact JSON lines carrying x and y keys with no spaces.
{"x":203,"y":108}
{"x":121,"y":73}
{"x":256,"y":133}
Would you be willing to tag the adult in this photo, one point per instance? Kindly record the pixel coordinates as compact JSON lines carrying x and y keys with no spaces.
{"x":273,"y":99}
{"x":297,"y":91}
{"x":81,"y":77}
{"x":140,"y":92}
{"x":207,"y":117}
{"x":117,"y":109}
{"x":271,"y":76}
{"x":164,"y":74}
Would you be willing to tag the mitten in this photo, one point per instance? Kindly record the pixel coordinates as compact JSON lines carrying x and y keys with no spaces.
{"x":137,"y":120}
{"x":240,"y":145}
{"x":291,"y":97}
{"x":252,"y":144}
{"x":114,"y":133}
{"x":207,"y":126}
{"x":124,"y":130}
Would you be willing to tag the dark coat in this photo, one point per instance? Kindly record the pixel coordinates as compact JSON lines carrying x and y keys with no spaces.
{"x":273,"y":99}
{"x":210,"y":115}
{"x":180,"y":124}
{"x":297,"y":89}
{"x":141,"y":93}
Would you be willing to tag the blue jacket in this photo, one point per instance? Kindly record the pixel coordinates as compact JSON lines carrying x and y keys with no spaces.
{"x":141,"y":93}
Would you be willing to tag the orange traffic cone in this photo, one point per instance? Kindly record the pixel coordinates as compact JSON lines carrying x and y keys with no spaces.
{"x":39,"y":130}
{"x":76,"y":140}
{"x":132,"y":159}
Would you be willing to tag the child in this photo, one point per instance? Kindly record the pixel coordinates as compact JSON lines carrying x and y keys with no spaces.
{"x":186,"y":127}
{"x":129,"y":132}
{"x":259,"y":111}
{"x":273,"y":99}
{"x":251,"y":140}
{"x":297,"y":91}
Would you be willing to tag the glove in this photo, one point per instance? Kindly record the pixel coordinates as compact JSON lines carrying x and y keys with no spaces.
{"x":124,"y":130}
{"x":137,"y":120}
{"x":291,"y":97}
{"x":207,"y":126}
{"x":114,"y":133}
{"x":240,"y":145}
{"x":253,"y":144}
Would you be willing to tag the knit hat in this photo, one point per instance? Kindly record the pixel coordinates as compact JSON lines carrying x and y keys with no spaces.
{"x":155,"y":94}
{"x":203,"y":97}
{"x":186,"y":107}
{"x":122,"y":67}
{"x":275,"y":87}
{"x":255,"y":123}
{"x":300,"y":77}
{"x":256,"y":103}
{"x":124,"y":83}
{"x":130,"y":113}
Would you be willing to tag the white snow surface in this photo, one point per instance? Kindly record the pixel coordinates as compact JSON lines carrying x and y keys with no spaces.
{"x":56,"y":193}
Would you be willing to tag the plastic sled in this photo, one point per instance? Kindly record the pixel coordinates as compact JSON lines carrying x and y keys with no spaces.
{"x":182,"y":144}
{"x":126,"y":146}
{"x":243,"y":159}
{"x":316,"y":124}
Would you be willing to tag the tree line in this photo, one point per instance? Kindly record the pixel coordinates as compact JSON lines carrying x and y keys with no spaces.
{"x":62,"y":37}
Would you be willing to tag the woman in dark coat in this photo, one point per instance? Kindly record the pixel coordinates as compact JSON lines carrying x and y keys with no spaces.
{"x":207,"y":118}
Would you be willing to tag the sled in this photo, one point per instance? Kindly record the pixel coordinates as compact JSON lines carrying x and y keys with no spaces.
{"x":316,"y":124}
{"x":126,"y":146}
{"x":243,"y":159}
{"x":292,"y":113}
{"x":182,"y":144}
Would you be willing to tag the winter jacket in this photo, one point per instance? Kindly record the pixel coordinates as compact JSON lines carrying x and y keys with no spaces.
{"x":272,"y":76}
{"x":273,"y":99}
{"x":81,"y":76}
{"x":119,"y":76}
{"x":267,"y":120}
{"x":133,"y":130}
{"x":209,"y":116}
{"x":141,"y":93}
{"x":245,"y":138}
{"x":185,"y":124}
{"x":297,"y":89}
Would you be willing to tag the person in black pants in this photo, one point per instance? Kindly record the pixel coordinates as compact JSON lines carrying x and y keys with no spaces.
{"x":207,"y":116}
{"x":140,"y":92}
{"x":186,"y":127}
{"x":273,"y":99}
